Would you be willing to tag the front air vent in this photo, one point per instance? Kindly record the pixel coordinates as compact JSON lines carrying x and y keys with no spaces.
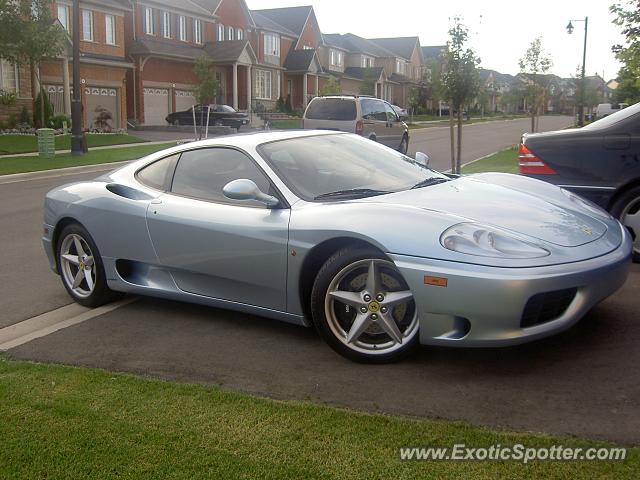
{"x":548,"y":306}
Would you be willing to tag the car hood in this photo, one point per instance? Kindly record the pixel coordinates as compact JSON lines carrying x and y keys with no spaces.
{"x":506,"y":208}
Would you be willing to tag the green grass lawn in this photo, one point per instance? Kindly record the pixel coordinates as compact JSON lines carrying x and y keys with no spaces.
{"x":67,"y":422}
{"x":13,"y":144}
{"x":291,"y":123}
{"x":502,"y":161}
{"x":61,"y":160}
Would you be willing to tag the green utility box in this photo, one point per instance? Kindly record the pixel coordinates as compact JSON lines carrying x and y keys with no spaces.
{"x":46,"y":142}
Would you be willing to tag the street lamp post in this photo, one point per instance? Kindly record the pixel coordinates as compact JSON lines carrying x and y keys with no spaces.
{"x":584,"y":61}
{"x":77,"y":144}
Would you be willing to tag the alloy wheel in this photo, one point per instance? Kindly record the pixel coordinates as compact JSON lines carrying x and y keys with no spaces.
{"x":630,"y":218}
{"x":77,"y":265}
{"x":370,"y":309}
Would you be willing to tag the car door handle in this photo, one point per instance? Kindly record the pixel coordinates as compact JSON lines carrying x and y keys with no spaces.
{"x":156,"y":201}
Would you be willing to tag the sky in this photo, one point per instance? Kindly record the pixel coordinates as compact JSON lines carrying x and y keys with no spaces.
{"x":499,"y":31}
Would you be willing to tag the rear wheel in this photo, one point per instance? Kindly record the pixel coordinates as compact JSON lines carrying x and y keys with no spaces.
{"x":627,"y":210}
{"x":81,"y":268}
{"x":363,"y":308}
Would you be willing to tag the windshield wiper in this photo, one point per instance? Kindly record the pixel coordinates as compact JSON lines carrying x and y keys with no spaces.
{"x":352,"y":192}
{"x":427,"y":182}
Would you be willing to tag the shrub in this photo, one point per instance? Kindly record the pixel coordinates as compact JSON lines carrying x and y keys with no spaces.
{"x":48,"y":109}
{"x":280,"y":105}
{"x":287,"y":104}
{"x":24,"y":117}
{"x":7,"y":98}
{"x":57,"y":121}
{"x":13,"y":120}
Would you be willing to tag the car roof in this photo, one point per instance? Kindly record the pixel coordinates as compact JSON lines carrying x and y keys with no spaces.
{"x":253,"y":139}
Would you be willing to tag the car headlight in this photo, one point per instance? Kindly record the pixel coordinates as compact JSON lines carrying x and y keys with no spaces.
{"x":475,"y":239}
{"x":586,"y":204}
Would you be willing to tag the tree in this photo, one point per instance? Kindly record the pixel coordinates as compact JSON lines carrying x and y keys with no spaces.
{"x":460,"y":82}
{"x":331,"y":87}
{"x":628,"y":17}
{"x":207,"y":87}
{"x":368,"y":85}
{"x":28,"y":34}
{"x":536,"y":62}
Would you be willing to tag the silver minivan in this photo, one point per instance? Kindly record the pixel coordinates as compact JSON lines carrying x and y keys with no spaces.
{"x":370,"y":117}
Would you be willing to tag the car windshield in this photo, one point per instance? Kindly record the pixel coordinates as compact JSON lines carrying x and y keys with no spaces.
{"x":340,"y":166}
{"x":614,"y":118}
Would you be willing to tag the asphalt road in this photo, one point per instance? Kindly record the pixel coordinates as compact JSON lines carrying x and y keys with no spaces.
{"x":478,"y":139}
{"x":583,"y":382}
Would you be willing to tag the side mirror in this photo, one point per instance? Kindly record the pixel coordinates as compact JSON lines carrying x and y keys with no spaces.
{"x":423,"y":159}
{"x":245,"y":189}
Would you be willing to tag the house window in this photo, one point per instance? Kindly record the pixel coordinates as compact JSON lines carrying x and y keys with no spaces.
{"x":8,"y":76}
{"x":182,"y":28}
{"x":230,"y":33}
{"x":271,"y":45}
{"x":220,"y":32}
{"x":166,"y":24}
{"x":307,"y":47}
{"x":197,"y":31}
{"x":148,"y":21}
{"x":87,"y":25}
{"x":367,"y":62}
{"x":263,"y":84}
{"x":63,"y":16}
{"x":240,"y":34}
{"x":110,"y":29}
{"x":336,"y":58}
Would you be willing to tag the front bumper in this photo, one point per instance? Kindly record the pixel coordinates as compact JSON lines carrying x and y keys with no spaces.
{"x":483,"y":306}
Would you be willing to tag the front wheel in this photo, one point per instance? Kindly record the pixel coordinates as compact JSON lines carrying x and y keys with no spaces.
{"x":363,"y":308}
{"x":627,"y":210}
{"x":404,"y":145}
{"x":81,"y":268}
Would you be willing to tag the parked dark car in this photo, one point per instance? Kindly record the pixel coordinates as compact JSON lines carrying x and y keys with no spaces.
{"x":600,"y":162}
{"x":220,"y":115}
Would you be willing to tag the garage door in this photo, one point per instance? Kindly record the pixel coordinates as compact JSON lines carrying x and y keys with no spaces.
{"x":184,"y":100}
{"x":156,"y":106}
{"x":102,"y":107}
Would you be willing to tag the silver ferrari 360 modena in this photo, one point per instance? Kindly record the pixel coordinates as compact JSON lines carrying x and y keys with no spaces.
{"x":376,"y":250}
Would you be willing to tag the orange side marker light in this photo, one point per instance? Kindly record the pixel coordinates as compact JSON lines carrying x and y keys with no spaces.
{"x":435,"y":281}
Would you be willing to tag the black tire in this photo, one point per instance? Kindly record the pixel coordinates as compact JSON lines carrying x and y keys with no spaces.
{"x":332,"y":268}
{"x":404,"y":145}
{"x":629,"y":202}
{"x":101,"y":293}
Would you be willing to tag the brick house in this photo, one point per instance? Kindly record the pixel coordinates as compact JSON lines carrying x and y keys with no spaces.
{"x":299,"y":44}
{"x":15,"y":79}
{"x":103,"y":63}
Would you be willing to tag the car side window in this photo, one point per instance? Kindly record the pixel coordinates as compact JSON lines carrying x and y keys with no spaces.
{"x":374,"y":108}
{"x":158,"y":174}
{"x":392,"y":116}
{"x":203,"y":173}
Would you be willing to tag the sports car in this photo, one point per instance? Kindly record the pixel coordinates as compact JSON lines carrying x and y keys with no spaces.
{"x":376,"y":250}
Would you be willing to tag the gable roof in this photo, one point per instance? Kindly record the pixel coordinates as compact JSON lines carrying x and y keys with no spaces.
{"x":299,"y":60}
{"x":195,"y":6}
{"x":360,"y":73}
{"x":355,"y":44}
{"x":291,"y":18}
{"x":401,"y":46}
{"x":433,"y":51}
{"x":229,"y":51}
{"x":267,"y":24}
